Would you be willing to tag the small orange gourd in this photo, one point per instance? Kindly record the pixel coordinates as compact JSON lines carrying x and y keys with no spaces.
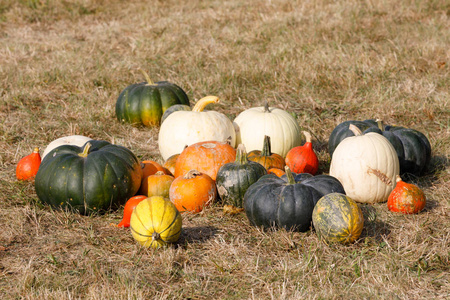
{"x":276,"y":171}
{"x":303,"y":159}
{"x":406,"y":198}
{"x":28,"y":166}
{"x":193,"y":191}
{"x":157,"y":184}
{"x":265,"y":157}
{"x":128,"y":209}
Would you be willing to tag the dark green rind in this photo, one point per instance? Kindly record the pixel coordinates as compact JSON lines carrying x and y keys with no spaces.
{"x":174,"y":108}
{"x":103,"y":180}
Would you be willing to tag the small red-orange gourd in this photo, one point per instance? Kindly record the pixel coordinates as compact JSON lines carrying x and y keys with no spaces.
{"x":303,"y":159}
{"x":28,"y":166}
{"x":128,"y":210}
{"x":193,"y":191}
{"x":406,"y":198}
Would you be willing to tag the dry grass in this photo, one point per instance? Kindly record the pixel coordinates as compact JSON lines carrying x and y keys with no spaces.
{"x":63,"y":64}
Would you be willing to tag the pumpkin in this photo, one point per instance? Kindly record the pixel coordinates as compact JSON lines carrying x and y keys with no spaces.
{"x":337,"y":219}
{"x":193,"y":191}
{"x":234,"y":178}
{"x":95,"y":177}
{"x":412,"y":147}
{"x":170,"y":163}
{"x":303,"y":159}
{"x":256,"y":122}
{"x":366,"y":165}
{"x":157,"y":184}
{"x":150,"y":167}
{"x":206,"y":157}
{"x":183,"y":128}
{"x":128,"y":209}
{"x":266,"y":157}
{"x":174,"y":108}
{"x":76,"y":140}
{"x":155,"y":222}
{"x":284,"y":202}
{"x":28,"y":166}
{"x":145,"y":103}
{"x":276,"y":171}
{"x":406,"y":198}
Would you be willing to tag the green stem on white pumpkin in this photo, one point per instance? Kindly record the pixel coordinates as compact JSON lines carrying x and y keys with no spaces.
{"x":147,"y":78}
{"x":266,"y":150}
{"x":201,"y":104}
{"x":307,"y":136}
{"x":356,"y":131}
{"x":380,"y":124}
{"x":241,"y":155}
{"x":86,"y":150}
{"x":289,"y":175}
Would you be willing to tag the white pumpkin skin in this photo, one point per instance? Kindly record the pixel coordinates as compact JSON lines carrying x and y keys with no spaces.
{"x":76,"y":140}
{"x":184,"y":128}
{"x":367,"y":166}
{"x":256,"y":122}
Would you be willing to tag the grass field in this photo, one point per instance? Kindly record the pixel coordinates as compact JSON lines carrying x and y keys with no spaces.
{"x":63,"y":64}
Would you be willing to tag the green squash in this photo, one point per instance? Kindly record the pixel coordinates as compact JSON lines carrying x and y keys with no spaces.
{"x":174,"y":108}
{"x":233,"y":179}
{"x":412,"y":147}
{"x":337,"y":218}
{"x":283,"y":202}
{"x":145,"y":103}
{"x":93,"y":178}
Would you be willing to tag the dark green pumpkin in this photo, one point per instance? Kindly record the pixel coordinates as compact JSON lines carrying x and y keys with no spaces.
{"x":174,"y":108}
{"x":283,"y":202}
{"x":412,"y":147}
{"x":93,"y":178}
{"x":145,"y":103}
{"x":337,"y":218}
{"x":233,"y":179}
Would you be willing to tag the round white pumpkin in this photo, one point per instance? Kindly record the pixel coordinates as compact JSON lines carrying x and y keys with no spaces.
{"x":256,"y":122}
{"x":366,"y":165}
{"x":76,"y":140}
{"x":184,"y":128}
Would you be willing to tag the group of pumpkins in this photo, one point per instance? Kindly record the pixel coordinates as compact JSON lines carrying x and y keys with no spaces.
{"x":206,"y":160}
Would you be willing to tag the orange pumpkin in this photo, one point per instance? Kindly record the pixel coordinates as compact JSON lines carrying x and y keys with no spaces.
{"x":276,"y":171}
{"x":303,"y":159}
{"x":206,"y":157}
{"x":28,"y":166}
{"x":128,"y":209}
{"x":150,"y":167}
{"x":406,"y":198}
{"x":266,"y":157}
{"x":169,"y":164}
{"x":157,"y":184}
{"x":193,"y":191}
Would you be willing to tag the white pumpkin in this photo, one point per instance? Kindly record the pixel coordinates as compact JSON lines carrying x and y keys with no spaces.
{"x":366,"y":165}
{"x":184,"y":128}
{"x":255,"y":123}
{"x":76,"y":140}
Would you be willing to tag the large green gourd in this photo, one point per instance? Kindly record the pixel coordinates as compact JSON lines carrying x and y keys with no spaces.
{"x":93,"y":178}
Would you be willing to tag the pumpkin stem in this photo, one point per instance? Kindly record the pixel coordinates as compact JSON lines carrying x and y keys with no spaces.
{"x":380,"y":124}
{"x":147,"y":78}
{"x":191,"y":174}
{"x":398,"y":178}
{"x":155,"y":236}
{"x":36,"y":150}
{"x":86,"y":149}
{"x":201,"y":104}
{"x":289,"y":175}
{"x":266,"y":150}
{"x":241,"y":155}
{"x":266,"y":106}
{"x":307,"y":136}
{"x":160,"y":173}
{"x":356,"y":131}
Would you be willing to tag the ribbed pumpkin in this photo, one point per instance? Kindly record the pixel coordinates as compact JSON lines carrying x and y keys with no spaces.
{"x":412,"y":147}
{"x":95,"y":177}
{"x":366,"y":165}
{"x":28,"y":166}
{"x":171,"y":162}
{"x":193,"y":191}
{"x":282,"y":202}
{"x":145,"y":103}
{"x":303,"y":159}
{"x":406,"y":198}
{"x":337,"y":218}
{"x":150,"y":167}
{"x":155,"y":222}
{"x":184,"y":128}
{"x":76,"y":140}
{"x":206,"y":157}
{"x":256,"y":122}
{"x":266,"y":157}
{"x":233,"y":179}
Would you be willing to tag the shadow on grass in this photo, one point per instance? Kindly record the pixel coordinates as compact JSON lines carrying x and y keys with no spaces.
{"x":373,"y":227}
{"x":198,"y":234}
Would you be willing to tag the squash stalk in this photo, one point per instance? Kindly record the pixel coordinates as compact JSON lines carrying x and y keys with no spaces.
{"x":307,"y":136}
{"x":155,"y":236}
{"x":86,"y":150}
{"x":289,"y":175}
{"x":266,"y":107}
{"x":241,"y":155}
{"x":201,"y":104}
{"x":191,"y":174}
{"x":380,"y":124}
{"x":356,"y":131}
{"x":147,"y":78}
{"x":266,"y":150}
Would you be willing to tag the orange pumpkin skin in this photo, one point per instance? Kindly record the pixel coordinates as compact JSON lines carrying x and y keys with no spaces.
{"x":150,"y":167}
{"x":302,"y":159}
{"x":276,"y":171}
{"x":128,"y":209}
{"x":266,"y":157}
{"x":406,"y":198}
{"x":206,"y":157}
{"x":28,"y":166}
{"x":157,"y":184}
{"x":169,"y":164}
{"x":193,"y":191}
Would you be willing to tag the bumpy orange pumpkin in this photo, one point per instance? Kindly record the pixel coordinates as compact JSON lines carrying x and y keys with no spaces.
{"x":406,"y":198}
{"x":266,"y":157}
{"x":206,"y":157}
{"x":193,"y":191}
{"x":28,"y":166}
